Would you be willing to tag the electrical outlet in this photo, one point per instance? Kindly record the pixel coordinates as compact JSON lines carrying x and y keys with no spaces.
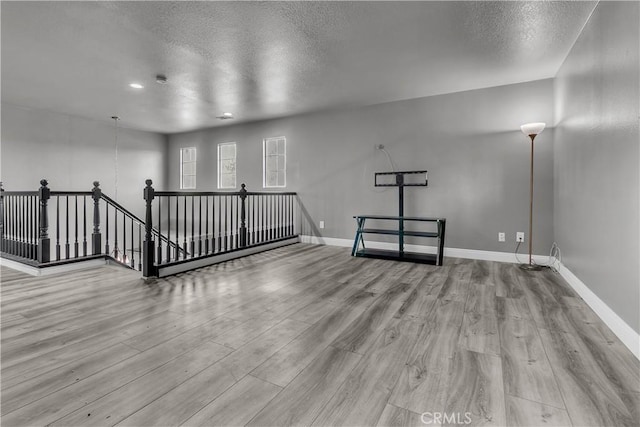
{"x":501,"y":237}
{"x":519,"y":236}
{"x":321,"y":224}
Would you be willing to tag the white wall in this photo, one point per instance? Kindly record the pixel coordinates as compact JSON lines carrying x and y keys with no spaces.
{"x":470,"y":142}
{"x":72,"y":152}
{"x":596,"y":158}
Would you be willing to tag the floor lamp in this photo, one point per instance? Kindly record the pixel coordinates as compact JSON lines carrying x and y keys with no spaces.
{"x":532,"y":130}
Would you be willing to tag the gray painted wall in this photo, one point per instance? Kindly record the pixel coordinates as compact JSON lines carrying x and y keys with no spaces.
{"x":72,"y":152}
{"x":470,"y":142}
{"x":596,"y":158}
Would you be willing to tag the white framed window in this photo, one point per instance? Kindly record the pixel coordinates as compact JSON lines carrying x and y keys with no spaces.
{"x":188,"y":168}
{"x":274,"y":162}
{"x":227,"y":165}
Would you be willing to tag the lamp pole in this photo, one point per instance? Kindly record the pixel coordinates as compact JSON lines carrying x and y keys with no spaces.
{"x":531,"y":130}
{"x":531,"y":205}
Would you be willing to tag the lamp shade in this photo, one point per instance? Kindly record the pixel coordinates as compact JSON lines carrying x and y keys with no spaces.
{"x":532,"y":128}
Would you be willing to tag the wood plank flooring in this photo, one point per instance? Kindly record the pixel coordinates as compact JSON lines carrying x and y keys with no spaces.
{"x":308,"y":335}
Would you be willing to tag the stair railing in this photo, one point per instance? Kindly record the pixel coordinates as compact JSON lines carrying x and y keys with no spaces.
{"x":206,"y":224}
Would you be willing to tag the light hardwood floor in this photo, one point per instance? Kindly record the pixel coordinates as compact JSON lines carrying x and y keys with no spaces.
{"x":308,"y":335}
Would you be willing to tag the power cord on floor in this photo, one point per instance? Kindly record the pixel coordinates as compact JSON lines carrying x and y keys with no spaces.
{"x":555,"y":258}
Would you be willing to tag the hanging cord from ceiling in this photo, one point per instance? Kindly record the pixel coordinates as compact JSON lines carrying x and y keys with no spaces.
{"x":115,"y":120}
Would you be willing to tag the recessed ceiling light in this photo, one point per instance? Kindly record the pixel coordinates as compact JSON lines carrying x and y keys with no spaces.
{"x":225,"y":116}
{"x":161,"y":79}
{"x":136,"y":85}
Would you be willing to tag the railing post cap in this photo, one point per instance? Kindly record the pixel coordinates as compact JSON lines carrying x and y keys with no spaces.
{"x":243,"y":186}
{"x":44,"y":182}
{"x":96,"y":184}
{"x":148,"y":182}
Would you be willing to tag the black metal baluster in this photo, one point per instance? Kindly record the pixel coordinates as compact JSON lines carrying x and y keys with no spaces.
{"x":25,"y":227}
{"x":75,"y":245}
{"x":184,"y":227}
{"x":232,"y":233}
{"x":116,"y":249}
{"x":168,"y":230}
{"x":290,"y":216}
{"x":84,"y":225}
{"x":226,"y":222}
{"x":193,"y":226}
{"x":133,"y":258}
{"x":234,"y":224}
{"x":23,"y":252}
{"x":263,"y":222}
{"x":20,"y":227}
{"x":6,"y":207}
{"x":293,"y":215}
{"x":124,"y":239}
{"x":29,"y":226}
{"x":206,"y":225}
{"x":177,"y":248}
{"x":66,"y":231}
{"x":140,"y":244}
{"x":8,"y":224}
{"x":11,"y":223}
{"x":285,"y":215}
{"x":219,"y":246}
{"x":199,"y":225}
{"x":106,"y":214}
{"x":271,"y":217}
{"x":280,"y":218}
{"x":159,"y":249}
{"x":57,"y":228}
{"x":16,"y":217}
{"x":30,"y":223}
{"x":253,"y":220}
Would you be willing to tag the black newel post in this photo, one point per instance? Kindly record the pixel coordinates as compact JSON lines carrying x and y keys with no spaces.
{"x":243,"y":216}
{"x":96,"y":237}
{"x":44,"y":244}
{"x":2,"y":249}
{"x":148,"y":268}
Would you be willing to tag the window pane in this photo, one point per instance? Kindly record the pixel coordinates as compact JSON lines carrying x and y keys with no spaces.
{"x":272,"y":147}
{"x":189,"y":182}
{"x":188,"y":168}
{"x":227,"y":181}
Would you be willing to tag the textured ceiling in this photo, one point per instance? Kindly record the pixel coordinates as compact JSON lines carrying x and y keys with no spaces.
{"x":261,"y":60}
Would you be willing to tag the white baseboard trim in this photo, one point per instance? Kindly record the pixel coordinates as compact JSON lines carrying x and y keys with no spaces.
{"x":448,"y":252}
{"x":47,"y":271}
{"x":629,"y":337}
